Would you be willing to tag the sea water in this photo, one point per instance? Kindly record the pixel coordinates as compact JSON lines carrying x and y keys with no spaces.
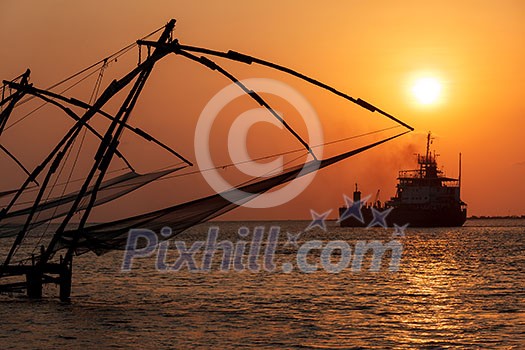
{"x":454,"y":288}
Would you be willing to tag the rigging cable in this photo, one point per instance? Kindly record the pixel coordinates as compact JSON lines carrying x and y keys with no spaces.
{"x":213,"y":66}
{"x":93,"y":96}
{"x":50,"y":96}
{"x":6,"y":151}
{"x":111,"y":58}
{"x":225,"y":166}
{"x":240,"y":57}
{"x":45,"y":103}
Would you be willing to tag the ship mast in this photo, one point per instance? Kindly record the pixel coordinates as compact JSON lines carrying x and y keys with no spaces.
{"x":459,"y":174}
{"x":427,"y":160}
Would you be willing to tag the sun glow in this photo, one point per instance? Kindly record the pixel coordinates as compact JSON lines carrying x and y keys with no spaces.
{"x":426,"y":90}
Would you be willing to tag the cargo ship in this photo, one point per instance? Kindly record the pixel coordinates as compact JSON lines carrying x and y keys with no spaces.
{"x":424,"y":198}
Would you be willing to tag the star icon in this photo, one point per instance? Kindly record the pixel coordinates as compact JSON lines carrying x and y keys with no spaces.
{"x":353,"y":209}
{"x":379,"y":218}
{"x":292,"y":239}
{"x":399,"y":231}
{"x":318,"y":220}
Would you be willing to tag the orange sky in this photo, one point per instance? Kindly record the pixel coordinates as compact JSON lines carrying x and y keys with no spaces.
{"x":369,"y":49}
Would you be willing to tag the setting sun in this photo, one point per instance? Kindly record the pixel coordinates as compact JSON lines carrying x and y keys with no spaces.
{"x":426,"y":90}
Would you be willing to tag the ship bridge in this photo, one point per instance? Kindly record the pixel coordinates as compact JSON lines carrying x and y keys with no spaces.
{"x":426,"y":186}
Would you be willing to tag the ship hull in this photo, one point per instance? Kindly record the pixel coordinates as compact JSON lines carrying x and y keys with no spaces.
{"x":442,"y":217}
